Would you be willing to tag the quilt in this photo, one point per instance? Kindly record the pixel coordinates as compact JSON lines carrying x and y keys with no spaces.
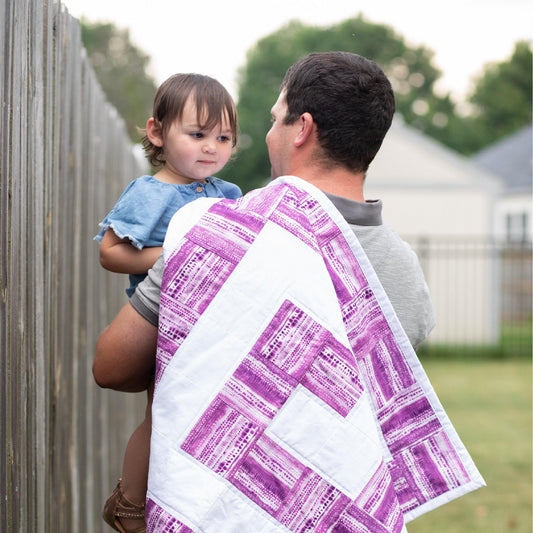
{"x":288,"y":397}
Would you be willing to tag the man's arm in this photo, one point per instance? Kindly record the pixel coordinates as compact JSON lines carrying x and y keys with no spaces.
{"x":125,"y":352}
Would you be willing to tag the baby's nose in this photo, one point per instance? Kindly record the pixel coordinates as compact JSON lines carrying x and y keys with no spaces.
{"x":209,"y":147}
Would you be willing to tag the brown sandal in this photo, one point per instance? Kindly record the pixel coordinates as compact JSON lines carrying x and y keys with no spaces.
{"x":118,"y":506}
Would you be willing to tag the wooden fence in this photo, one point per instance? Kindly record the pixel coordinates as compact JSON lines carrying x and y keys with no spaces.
{"x":65,"y":157}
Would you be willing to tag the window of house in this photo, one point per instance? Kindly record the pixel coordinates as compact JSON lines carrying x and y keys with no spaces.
{"x":517,"y":227}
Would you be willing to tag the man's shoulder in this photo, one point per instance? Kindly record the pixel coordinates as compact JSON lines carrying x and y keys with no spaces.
{"x":398,"y":269}
{"x":381,"y":238}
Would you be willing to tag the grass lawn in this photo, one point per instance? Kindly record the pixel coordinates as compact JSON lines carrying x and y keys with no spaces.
{"x":489,"y":403}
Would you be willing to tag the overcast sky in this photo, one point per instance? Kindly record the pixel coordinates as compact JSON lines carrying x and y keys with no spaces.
{"x":212,"y":36}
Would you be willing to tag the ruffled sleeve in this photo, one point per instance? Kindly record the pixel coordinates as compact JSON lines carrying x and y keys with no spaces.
{"x":137,"y":213}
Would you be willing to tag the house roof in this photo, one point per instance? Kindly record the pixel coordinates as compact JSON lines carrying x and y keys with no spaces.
{"x":410,"y":159}
{"x":511,"y":159}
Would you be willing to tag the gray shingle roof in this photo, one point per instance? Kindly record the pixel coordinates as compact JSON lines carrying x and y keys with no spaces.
{"x":410,"y":158}
{"x":511,"y":159}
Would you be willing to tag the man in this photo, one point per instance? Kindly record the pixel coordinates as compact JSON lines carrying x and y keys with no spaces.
{"x":326,"y":130}
{"x":330,"y":119}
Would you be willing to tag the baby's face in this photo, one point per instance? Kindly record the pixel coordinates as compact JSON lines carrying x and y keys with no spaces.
{"x":194,"y":153}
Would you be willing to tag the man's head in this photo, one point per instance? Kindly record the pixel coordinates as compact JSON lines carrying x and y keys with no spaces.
{"x":350,"y":100}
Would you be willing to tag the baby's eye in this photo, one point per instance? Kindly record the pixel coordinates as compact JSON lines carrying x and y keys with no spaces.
{"x":197,"y":134}
{"x":224,"y":138}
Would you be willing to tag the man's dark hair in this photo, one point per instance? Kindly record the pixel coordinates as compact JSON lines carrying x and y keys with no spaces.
{"x":350,"y":99}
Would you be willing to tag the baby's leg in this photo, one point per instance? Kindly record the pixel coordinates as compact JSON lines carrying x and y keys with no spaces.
{"x":135,"y":466}
{"x":136,"y":457}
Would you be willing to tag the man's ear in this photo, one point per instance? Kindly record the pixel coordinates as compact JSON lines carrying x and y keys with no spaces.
{"x":154,"y":132}
{"x":307,"y":127}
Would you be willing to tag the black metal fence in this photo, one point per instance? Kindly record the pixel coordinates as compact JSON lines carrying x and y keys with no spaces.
{"x":482,"y":292}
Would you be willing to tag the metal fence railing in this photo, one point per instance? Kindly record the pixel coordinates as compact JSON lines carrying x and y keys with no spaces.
{"x":482,"y":293}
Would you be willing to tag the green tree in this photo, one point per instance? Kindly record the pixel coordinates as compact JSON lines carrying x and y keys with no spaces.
{"x":502,"y":94}
{"x":501,"y":98}
{"x":501,"y":104}
{"x":121,"y":69}
{"x":409,"y":68}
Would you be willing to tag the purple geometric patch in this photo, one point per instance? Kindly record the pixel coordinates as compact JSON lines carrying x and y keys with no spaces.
{"x":292,"y":340}
{"x":198,"y":278}
{"x":221,"y":437}
{"x":348,"y":279}
{"x":426,"y":470}
{"x":386,"y":371}
{"x":268,"y":475}
{"x":258,"y":389}
{"x":315,"y":505}
{"x":175,"y":323}
{"x":288,"y":490}
{"x":355,"y":520}
{"x":407,"y":419}
{"x":157,"y":519}
{"x":379,"y":500}
{"x":333,"y":377}
{"x":238,"y":229}
{"x":365,"y":323}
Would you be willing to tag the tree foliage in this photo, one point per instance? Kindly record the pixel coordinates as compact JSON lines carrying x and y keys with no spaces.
{"x":409,"y":68}
{"x":501,"y":99}
{"x":121,"y":69}
{"x":503,"y":92}
{"x":501,"y":104}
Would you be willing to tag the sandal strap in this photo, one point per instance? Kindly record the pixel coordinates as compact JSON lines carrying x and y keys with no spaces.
{"x":125,"y":514}
{"x":126,"y":508}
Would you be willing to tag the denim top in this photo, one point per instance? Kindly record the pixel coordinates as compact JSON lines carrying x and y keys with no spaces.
{"x":143,"y":211}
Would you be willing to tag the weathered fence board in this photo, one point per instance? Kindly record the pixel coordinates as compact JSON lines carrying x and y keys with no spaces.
{"x":65,"y":157}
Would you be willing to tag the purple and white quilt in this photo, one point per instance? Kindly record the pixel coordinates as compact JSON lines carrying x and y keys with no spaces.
{"x":288,"y":397}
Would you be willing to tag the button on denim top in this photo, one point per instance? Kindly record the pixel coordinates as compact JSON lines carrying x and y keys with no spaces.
{"x":143,"y":211}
